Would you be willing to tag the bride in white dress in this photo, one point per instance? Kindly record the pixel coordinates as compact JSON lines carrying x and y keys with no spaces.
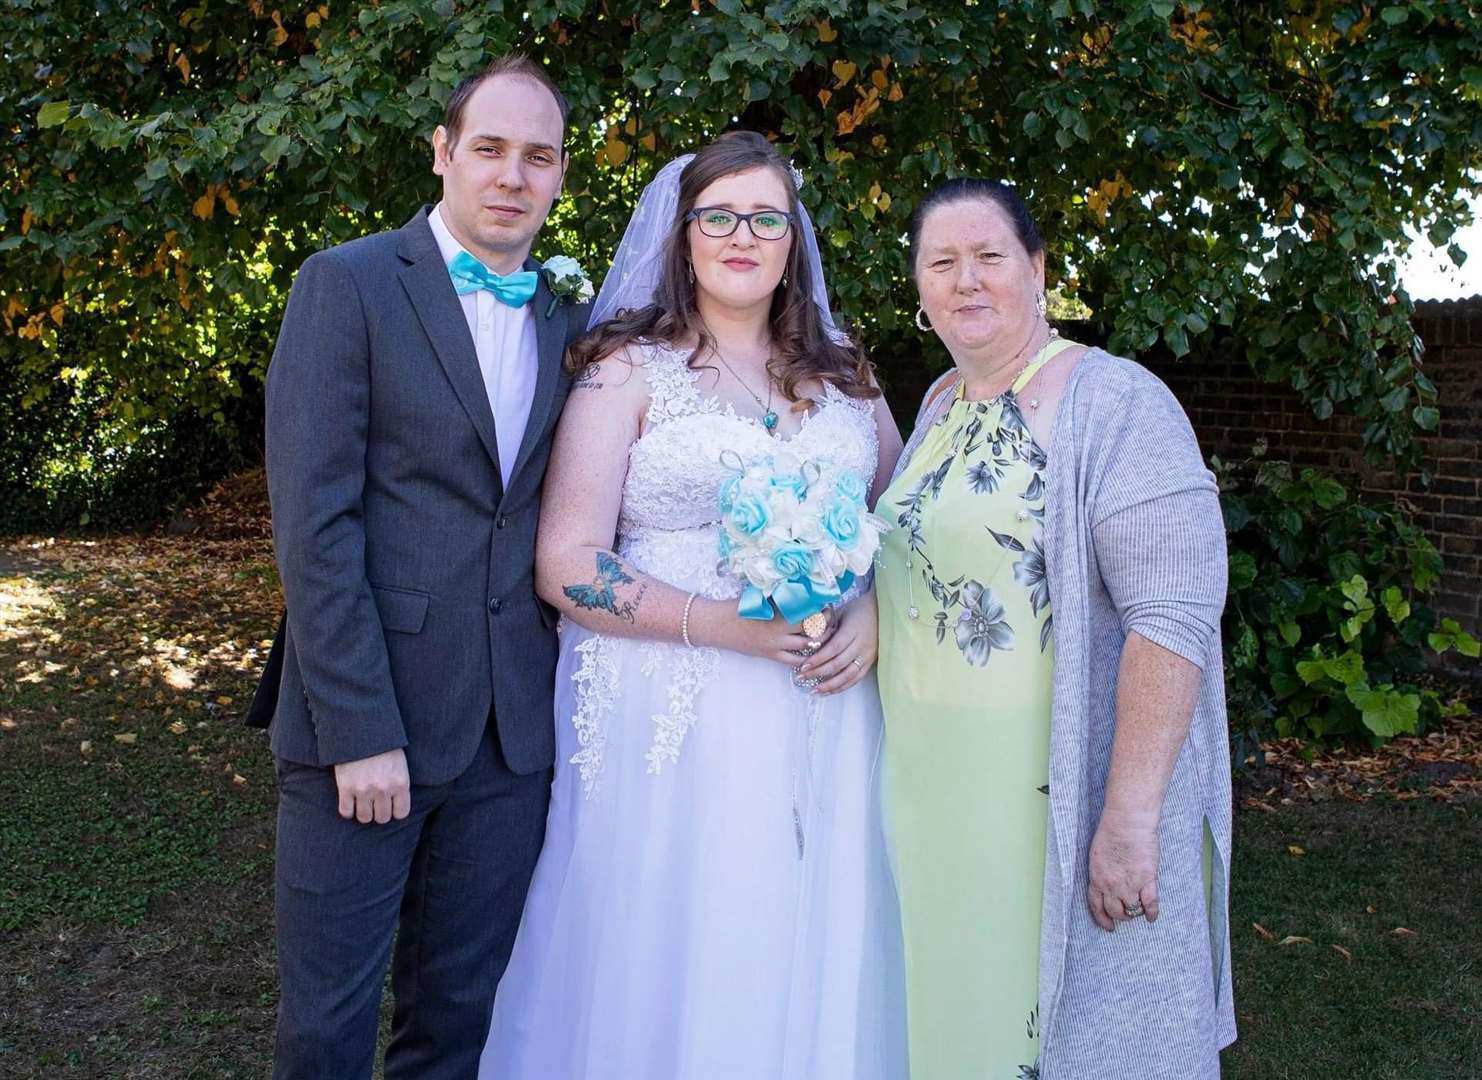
{"x":713,"y":899}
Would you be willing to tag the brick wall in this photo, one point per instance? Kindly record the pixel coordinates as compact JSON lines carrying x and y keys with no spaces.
{"x":1231,"y":410}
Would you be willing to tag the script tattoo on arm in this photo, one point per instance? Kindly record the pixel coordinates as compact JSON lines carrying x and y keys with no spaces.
{"x":601,"y":593}
{"x":586,"y":379}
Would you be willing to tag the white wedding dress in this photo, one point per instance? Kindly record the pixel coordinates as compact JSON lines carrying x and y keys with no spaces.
{"x":713,"y":900}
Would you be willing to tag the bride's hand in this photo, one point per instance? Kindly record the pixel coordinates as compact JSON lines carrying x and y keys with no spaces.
{"x":851,"y":652}
{"x":715,"y":622}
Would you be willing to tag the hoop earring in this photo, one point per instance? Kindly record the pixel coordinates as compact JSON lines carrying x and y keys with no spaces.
{"x":1041,"y":305}
{"x":922,"y":323}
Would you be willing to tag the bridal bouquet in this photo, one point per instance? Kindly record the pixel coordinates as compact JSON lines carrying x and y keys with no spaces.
{"x":798,"y":532}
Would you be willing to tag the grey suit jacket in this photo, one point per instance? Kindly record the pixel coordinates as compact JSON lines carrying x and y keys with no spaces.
{"x":407,"y":566}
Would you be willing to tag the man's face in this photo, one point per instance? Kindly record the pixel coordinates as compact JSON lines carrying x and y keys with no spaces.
{"x":504,"y":172}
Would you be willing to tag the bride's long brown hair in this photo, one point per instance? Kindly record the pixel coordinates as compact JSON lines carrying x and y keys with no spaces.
{"x":802,"y":347}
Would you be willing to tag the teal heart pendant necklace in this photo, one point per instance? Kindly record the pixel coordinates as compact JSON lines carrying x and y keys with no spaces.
{"x":770,"y":418}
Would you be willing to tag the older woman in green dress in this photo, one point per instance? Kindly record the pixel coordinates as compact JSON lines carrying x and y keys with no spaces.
{"x":1056,"y":762}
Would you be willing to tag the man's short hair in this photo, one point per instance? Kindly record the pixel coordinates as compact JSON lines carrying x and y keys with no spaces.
{"x":509,"y":64}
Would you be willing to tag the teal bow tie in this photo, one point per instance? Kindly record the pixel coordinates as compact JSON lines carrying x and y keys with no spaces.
{"x":470,"y":275}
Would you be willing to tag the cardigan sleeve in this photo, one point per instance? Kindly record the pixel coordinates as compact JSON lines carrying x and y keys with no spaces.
{"x":1156,"y":527}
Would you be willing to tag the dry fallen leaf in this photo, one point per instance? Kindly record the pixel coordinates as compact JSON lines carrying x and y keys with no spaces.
{"x":1402,"y":931}
{"x":128,"y":738}
{"x":178,"y":728}
{"x":239,"y":780}
{"x":1265,"y":935}
{"x":1295,"y":851}
{"x":87,"y":746}
{"x":1341,"y":951}
{"x":1293,"y":939}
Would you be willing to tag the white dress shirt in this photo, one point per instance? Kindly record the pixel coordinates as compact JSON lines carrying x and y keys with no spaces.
{"x":509,"y":359}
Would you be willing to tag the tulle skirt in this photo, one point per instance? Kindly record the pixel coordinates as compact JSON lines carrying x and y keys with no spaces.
{"x":713,"y":899}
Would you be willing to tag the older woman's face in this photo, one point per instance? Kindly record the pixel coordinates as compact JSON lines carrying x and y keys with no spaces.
{"x":978,"y":285}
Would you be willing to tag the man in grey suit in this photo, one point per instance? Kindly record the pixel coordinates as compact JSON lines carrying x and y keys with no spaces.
{"x":410,"y":405}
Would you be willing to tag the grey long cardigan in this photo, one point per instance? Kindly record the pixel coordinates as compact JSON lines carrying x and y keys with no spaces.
{"x":1133,"y":541}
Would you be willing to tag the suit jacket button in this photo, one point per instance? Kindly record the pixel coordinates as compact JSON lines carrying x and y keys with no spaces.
{"x":501,"y":521}
{"x":495,"y":604}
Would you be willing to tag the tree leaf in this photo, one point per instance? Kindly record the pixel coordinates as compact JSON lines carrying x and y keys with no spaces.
{"x":276,"y":148}
{"x":1396,"y":399}
{"x":53,"y":114}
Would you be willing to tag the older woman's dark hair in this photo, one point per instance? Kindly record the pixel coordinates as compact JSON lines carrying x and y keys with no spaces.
{"x":803,"y":348}
{"x":969,"y":189}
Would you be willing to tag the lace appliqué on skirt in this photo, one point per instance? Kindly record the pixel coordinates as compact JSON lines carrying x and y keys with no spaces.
{"x":689,"y":670}
{"x":596,"y":689}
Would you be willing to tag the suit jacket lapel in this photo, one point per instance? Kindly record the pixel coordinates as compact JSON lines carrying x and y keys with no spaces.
{"x":436,"y":303}
{"x":550,"y":336}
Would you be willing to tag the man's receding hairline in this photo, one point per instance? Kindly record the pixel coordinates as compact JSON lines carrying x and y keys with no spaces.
{"x":456,"y":134}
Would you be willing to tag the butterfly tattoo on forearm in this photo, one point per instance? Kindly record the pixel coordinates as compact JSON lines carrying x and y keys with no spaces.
{"x":601,"y":595}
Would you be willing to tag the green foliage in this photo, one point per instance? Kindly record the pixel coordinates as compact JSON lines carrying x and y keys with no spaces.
{"x":170,"y":165}
{"x":67,"y":461}
{"x":1325,"y":628}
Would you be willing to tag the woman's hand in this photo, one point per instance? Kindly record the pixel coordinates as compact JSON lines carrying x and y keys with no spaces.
{"x":1124,"y":869}
{"x":851,"y":652}
{"x":715,"y":622}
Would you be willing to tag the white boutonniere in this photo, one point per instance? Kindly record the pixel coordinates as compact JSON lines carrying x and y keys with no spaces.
{"x":567,"y":281}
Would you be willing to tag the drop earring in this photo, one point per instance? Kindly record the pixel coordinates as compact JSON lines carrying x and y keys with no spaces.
{"x":921,"y":321}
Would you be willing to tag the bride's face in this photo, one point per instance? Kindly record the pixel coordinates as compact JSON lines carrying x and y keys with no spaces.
{"x":740,"y":270}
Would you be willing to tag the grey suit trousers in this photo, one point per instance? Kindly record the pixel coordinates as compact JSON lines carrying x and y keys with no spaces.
{"x":451,"y":873}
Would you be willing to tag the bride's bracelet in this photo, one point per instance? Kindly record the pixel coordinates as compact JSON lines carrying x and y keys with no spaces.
{"x":684,"y":623}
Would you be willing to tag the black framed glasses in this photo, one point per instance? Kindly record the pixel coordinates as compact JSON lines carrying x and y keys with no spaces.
{"x":718,"y":222}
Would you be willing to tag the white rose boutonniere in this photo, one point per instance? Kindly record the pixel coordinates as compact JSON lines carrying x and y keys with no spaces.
{"x":567,"y":281}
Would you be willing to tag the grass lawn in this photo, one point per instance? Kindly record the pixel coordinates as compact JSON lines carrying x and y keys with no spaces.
{"x":136,"y":829}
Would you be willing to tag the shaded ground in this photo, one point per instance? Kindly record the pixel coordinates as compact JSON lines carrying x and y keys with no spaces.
{"x":136,"y":831}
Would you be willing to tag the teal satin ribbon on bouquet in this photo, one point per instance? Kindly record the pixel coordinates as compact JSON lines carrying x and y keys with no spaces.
{"x":470,"y":275}
{"x":796,"y":600}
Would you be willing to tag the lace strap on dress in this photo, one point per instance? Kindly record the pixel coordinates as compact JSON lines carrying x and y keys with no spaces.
{"x":671,"y":383}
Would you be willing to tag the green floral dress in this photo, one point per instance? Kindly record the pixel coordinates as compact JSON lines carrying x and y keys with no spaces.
{"x":966,"y":655}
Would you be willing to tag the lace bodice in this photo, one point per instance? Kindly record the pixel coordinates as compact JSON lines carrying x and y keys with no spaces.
{"x":668,"y":525}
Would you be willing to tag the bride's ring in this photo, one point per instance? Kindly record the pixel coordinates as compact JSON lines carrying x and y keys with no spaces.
{"x":1134,"y":911}
{"x":857,"y":662}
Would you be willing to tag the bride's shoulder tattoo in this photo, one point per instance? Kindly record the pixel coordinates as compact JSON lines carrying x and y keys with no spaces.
{"x":588,"y":378}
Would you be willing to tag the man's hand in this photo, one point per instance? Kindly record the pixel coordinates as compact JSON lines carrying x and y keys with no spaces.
{"x":375,"y":788}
